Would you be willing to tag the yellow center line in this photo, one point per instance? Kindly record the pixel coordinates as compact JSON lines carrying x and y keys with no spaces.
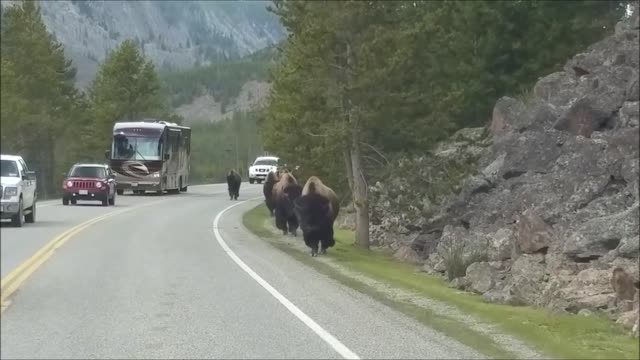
{"x":10,"y":283}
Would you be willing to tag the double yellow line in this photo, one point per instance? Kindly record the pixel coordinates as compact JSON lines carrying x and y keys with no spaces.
{"x":15,"y":278}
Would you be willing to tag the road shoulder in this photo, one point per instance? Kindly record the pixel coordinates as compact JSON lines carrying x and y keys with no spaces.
{"x":368,"y":327}
{"x":465,"y":318}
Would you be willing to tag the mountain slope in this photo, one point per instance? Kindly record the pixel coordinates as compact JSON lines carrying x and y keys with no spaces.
{"x":174,"y":34}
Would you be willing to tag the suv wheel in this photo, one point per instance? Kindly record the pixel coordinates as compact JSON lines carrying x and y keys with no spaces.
{"x":250,"y":181}
{"x":65,"y":201}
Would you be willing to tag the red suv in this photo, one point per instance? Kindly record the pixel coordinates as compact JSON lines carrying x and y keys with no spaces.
{"x":89,"y":182}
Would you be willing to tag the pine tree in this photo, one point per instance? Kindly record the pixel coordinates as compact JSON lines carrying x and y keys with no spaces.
{"x":358,"y":80}
{"x":38,"y":91}
{"x":126,"y":88}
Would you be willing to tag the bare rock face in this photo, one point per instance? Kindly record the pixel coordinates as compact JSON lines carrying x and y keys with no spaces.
{"x":629,"y":114}
{"x":598,"y":236}
{"x":507,"y":114}
{"x":551,"y":205}
{"x":500,"y":244}
{"x":534,"y":235}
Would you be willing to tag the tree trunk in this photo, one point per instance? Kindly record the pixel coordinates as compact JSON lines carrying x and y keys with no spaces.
{"x":360,"y":200}
{"x":348,"y":165}
{"x":353,"y":159}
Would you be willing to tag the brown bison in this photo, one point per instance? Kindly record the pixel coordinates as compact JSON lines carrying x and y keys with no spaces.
{"x":233,"y":184}
{"x":267,"y":190}
{"x":317,"y":209}
{"x":284,"y":193}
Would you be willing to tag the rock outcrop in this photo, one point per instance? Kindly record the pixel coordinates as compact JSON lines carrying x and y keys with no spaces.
{"x":173,"y":35}
{"x":553,"y":199}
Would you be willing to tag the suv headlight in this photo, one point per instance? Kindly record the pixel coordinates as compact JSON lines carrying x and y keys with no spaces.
{"x":10,"y":191}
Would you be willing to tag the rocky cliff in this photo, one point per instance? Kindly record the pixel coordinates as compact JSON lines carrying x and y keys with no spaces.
{"x":173,"y":34}
{"x":548,"y":215}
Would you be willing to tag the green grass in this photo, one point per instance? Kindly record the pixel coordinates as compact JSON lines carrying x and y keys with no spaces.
{"x":560,"y":336}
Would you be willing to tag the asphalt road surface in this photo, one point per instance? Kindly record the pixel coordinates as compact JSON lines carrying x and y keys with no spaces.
{"x":155,"y":279}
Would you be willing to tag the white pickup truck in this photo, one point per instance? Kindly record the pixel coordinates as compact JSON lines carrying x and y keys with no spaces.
{"x":18,"y":191}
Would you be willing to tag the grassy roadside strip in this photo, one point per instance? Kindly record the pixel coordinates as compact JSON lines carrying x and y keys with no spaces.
{"x":559,"y":336}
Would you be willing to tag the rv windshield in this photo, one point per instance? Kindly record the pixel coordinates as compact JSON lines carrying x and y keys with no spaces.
{"x":137,"y":148}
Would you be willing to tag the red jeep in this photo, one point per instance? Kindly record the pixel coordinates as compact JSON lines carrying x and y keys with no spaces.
{"x":89,"y":182}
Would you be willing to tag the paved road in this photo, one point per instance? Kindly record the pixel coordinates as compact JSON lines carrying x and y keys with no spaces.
{"x":160,"y":282}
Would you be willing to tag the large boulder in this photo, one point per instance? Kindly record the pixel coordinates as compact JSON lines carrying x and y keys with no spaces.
{"x":407,"y":254}
{"x":582,"y":118}
{"x":590,"y":289}
{"x":598,"y":236}
{"x":508,"y":115}
{"x":534,"y":235}
{"x":481,"y":277}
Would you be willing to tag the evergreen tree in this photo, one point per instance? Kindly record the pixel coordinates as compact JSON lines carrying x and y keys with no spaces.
{"x":364,"y":79}
{"x":126,"y":88}
{"x":37,"y":91}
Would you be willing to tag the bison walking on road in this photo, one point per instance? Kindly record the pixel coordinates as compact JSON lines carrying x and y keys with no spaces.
{"x":284,"y":193}
{"x":233,"y":183}
{"x":317,"y":209}
{"x":267,"y":191}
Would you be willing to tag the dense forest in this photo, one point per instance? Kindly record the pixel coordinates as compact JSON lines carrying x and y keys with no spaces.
{"x":234,"y":142}
{"x":45,"y":118}
{"x":356,"y":84}
{"x":362,"y":82}
{"x":53,"y":125}
{"x":222,"y":79}
{"x":229,"y":144}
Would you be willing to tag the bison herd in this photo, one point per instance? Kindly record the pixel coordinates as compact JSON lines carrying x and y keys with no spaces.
{"x":313,"y":207}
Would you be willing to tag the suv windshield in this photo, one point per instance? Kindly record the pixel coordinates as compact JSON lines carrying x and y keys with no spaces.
{"x":88,"y":171}
{"x":9,"y":168}
{"x":267,"y":162}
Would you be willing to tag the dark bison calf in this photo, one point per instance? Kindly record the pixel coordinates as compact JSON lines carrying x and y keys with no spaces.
{"x":285,"y":192}
{"x":233,"y":183}
{"x":317,"y":209}
{"x":267,"y":191}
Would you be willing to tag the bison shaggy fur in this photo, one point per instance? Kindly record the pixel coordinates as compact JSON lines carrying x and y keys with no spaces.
{"x":284,"y":193}
{"x":317,"y":209}
{"x":233,"y":184}
{"x":267,"y":191}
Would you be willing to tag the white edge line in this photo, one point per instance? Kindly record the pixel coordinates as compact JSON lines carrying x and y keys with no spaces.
{"x":324,"y":334}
